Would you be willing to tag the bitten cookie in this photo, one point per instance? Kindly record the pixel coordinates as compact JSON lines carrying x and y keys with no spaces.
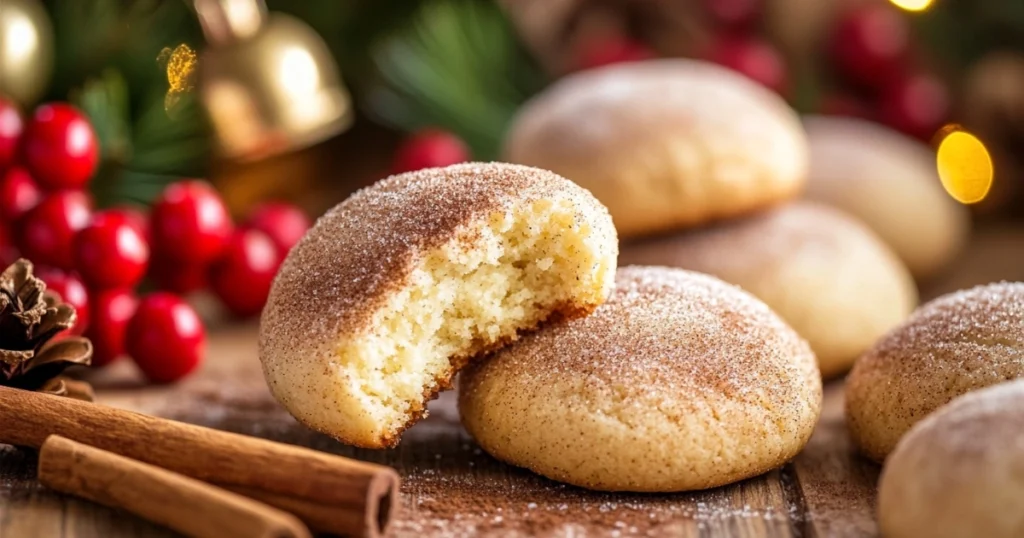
{"x":679,"y":382}
{"x":950,"y":346}
{"x":396,"y":288}
{"x":890,"y":182}
{"x":665,"y":144}
{"x":826,"y":274}
{"x":959,"y":473}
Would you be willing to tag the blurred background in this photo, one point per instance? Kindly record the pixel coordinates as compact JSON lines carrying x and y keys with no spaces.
{"x":287,"y":107}
{"x":371,"y":73}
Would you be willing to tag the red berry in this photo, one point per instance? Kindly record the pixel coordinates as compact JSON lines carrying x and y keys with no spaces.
{"x":110,"y":252}
{"x":754,"y":58}
{"x":284,"y":223}
{"x":178,"y":277}
{"x":735,"y":13}
{"x":60,"y":147}
{"x":11,"y":126}
{"x":599,"y":53}
{"x":429,"y":148}
{"x":71,"y":291}
{"x":18,"y":194}
{"x":189,"y":223}
{"x":136,"y":217}
{"x":918,"y":105}
{"x":871,"y":44}
{"x":242,"y":277}
{"x":165,"y":337}
{"x":47,"y":232}
{"x":111,"y":310}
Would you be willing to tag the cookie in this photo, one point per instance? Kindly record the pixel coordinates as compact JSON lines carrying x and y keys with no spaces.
{"x":957,"y":343}
{"x":825,"y":273}
{"x":399,"y":286}
{"x":679,"y":382}
{"x":959,"y":473}
{"x":665,"y":144}
{"x":890,"y":182}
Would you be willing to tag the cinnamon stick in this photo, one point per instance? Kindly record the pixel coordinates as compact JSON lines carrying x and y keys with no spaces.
{"x":176,"y":501}
{"x":329,"y":493}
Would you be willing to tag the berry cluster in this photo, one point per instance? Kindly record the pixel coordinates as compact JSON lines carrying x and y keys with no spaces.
{"x":872,"y":49}
{"x":869,"y":54}
{"x":96,"y":259}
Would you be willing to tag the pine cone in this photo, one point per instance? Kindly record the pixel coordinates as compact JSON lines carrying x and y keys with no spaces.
{"x":30,"y":317}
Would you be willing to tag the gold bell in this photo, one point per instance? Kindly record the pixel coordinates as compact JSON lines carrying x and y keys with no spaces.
{"x":268,"y":81}
{"x":26,"y":50}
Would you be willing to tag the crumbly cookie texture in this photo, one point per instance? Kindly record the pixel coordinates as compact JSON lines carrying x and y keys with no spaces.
{"x":952,"y":345}
{"x":960,"y":471}
{"x":828,"y":275}
{"x":665,"y":144}
{"x":679,"y":382}
{"x":399,"y":286}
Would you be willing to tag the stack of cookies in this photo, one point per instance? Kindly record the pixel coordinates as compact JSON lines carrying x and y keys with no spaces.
{"x":703,"y":169}
{"x":653,"y":377}
{"x":641,"y":379}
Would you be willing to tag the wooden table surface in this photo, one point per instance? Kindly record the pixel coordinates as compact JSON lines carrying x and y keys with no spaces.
{"x":451,"y":488}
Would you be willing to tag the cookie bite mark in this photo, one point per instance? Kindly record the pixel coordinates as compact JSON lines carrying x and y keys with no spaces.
{"x":397,"y":288}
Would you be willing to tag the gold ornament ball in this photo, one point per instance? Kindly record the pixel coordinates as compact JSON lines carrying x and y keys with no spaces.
{"x":26,"y":50}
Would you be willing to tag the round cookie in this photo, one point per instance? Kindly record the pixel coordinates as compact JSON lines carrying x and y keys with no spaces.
{"x":825,"y":273}
{"x":952,"y":345}
{"x":890,"y":182}
{"x":666,"y":143}
{"x":679,"y":382}
{"x":400,"y":285}
{"x":959,"y":472}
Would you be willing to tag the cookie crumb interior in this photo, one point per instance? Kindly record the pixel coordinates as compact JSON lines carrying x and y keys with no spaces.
{"x":472,"y":294}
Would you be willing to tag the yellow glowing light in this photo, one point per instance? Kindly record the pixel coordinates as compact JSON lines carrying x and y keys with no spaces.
{"x":965,"y":167}
{"x":912,"y":5}
{"x":181,"y":66}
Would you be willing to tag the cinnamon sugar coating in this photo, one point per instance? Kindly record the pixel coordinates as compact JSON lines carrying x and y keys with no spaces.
{"x":398,"y":286}
{"x":825,"y":273}
{"x":952,"y":345}
{"x":960,"y":471}
{"x":679,"y":382}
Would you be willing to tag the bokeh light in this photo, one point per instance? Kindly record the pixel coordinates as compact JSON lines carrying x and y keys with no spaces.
{"x":912,"y":5}
{"x":965,"y":167}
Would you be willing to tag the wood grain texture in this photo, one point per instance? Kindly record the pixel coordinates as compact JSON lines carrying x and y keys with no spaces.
{"x":451,"y":488}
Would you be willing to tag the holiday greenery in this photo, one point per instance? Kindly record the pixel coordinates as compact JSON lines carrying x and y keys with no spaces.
{"x":461,"y":66}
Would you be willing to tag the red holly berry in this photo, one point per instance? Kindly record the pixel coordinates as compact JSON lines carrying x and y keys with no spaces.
{"x":71,"y":291}
{"x":18,"y":194}
{"x":429,"y":148}
{"x":110,"y":313}
{"x":178,"y":277}
{"x":918,"y":105}
{"x":242,"y":277}
{"x":735,"y":13}
{"x":110,"y":252}
{"x":60,"y":147}
{"x":284,"y":223}
{"x":47,"y":232}
{"x":135,"y":216}
{"x":165,"y":337}
{"x":189,"y":223}
{"x":599,"y":53}
{"x":871,"y":44}
{"x":756,"y":59}
{"x":11,"y":126}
